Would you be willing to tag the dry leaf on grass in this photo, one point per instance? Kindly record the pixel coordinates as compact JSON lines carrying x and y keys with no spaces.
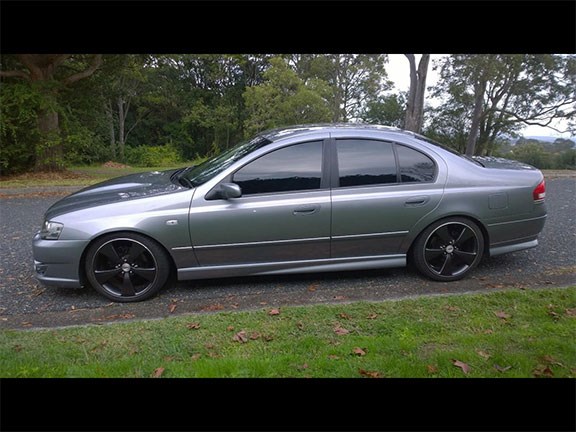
{"x":273,"y":312}
{"x":432,"y":369}
{"x":193,"y":326}
{"x":465,"y":368}
{"x":157,"y":372}
{"x":340,"y":331}
{"x":369,"y":374}
{"x":483,"y":354}
{"x":359,"y":351}
{"x":502,"y":315}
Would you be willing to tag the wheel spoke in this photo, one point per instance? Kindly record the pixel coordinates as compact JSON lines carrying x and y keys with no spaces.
{"x":446,"y":269}
{"x":433,"y":253}
{"x":466,"y":257}
{"x":464,"y":236}
{"x":103,"y":276}
{"x":444,"y":234}
{"x":135,"y":251}
{"x":110,"y":252}
{"x":127,"y":287}
{"x":146,"y":273}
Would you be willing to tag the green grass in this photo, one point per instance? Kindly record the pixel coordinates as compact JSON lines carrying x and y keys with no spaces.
{"x":408,"y":338}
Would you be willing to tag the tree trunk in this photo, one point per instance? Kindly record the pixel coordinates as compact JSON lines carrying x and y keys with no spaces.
{"x":110,"y":114}
{"x":415,"y":105}
{"x":49,"y":151}
{"x":479,"y":89}
{"x":121,"y":127}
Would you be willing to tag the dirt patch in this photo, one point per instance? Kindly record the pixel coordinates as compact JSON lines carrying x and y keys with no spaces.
{"x":111,"y":164}
{"x":559,"y":173}
{"x":34,"y":177}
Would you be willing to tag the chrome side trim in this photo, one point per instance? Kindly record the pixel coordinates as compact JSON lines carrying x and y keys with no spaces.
{"x":270,"y":242}
{"x":517,"y":221}
{"x":182,"y":248}
{"x":384,"y":234}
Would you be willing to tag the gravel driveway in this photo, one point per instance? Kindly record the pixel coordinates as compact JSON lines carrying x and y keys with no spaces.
{"x":25,"y":303}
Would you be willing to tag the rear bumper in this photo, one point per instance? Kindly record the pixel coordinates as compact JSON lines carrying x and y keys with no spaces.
{"x":57,"y":262}
{"x":515,"y":236}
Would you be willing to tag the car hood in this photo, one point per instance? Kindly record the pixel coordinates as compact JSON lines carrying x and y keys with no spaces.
{"x":124,"y":188}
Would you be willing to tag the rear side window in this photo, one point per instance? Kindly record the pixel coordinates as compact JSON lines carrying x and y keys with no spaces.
{"x":414,"y":166}
{"x":366,"y":162}
{"x":289,"y":169}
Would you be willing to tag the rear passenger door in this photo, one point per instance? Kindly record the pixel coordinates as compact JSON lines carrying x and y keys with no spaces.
{"x":380,"y":190}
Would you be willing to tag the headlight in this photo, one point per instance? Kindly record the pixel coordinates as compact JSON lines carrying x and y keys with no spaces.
{"x":51,"y":230}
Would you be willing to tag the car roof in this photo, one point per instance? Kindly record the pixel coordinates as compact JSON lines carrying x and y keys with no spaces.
{"x":291,"y":131}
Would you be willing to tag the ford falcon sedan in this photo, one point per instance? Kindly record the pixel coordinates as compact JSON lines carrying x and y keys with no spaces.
{"x":311,"y":198}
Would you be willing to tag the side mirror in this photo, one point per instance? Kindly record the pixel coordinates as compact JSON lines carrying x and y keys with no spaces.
{"x":225,"y":191}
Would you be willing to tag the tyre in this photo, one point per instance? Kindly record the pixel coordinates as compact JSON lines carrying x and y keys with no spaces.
{"x":448,"y":249}
{"x":127,"y":267}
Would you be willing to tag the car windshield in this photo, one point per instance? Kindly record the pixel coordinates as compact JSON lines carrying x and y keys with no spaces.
{"x":200,"y":174}
{"x":448,"y":149}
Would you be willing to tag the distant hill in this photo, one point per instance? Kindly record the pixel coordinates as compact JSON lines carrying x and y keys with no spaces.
{"x":546,"y":138}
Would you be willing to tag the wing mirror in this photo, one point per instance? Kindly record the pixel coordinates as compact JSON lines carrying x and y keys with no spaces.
{"x":225,"y":191}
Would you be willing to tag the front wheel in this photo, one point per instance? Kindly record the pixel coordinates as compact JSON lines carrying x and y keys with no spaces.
{"x":448,"y":249}
{"x":127,"y":267}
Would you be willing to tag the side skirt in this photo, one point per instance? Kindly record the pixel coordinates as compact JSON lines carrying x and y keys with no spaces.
{"x":288,"y":267}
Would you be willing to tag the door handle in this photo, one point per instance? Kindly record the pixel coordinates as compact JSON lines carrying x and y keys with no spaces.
{"x":416,"y":201}
{"x":306,"y":210}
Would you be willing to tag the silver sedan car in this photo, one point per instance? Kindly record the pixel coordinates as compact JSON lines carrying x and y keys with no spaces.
{"x":310,"y":198}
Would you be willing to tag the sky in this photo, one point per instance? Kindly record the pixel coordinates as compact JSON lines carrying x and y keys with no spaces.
{"x":399,"y":73}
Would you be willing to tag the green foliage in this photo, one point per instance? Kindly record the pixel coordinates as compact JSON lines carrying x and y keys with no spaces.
{"x":19,"y":133}
{"x":147,"y":156}
{"x":386,"y":110}
{"x":283,"y":99}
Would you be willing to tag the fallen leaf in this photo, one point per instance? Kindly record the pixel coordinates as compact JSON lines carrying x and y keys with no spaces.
{"x":240,"y":337}
{"x":483,"y":354}
{"x":196,"y":356}
{"x":255,"y":335}
{"x":26,"y":324}
{"x":502,"y":369}
{"x":554,"y":315}
{"x":571,"y":312}
{"x":333,"y":357}
{"x":344,"y":315}
{"x":452,"y":308}
{"x":312,"y":287}
{"x":543,"y":371}
{"x":168,"y":358}
{"x":372,"y":316}
{"x":157,"y":372}
{"x":432,"y":369}
{"x":300,"y":325}
{"x":339,"y":297}
{"x":268,"y":338}
{"x":17,"y":348}
{"x":501,"y":314}
{"x":465,"y":368}
{"x":234,"y":305}
{"x":263,"y":303}
{"x":304,"y":366}
{"x":369,"y":374}
{"x":340,"y":330}
{"x":209,"y":345}
{"x":213,"y":307}
{"x":193,"y":326}
{"x":488,"y":331}
{"x":359,"y":351}
{"x":172,"y":307}
{"x":273,"y":312}
{"x":551,"y":360}
{"x":230,"y":328}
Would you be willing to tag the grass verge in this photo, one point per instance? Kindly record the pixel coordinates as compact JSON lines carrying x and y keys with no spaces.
{"x":501,"y":334}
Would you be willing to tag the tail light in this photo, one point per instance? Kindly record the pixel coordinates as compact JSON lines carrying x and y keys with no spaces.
{"x":539,"y":193}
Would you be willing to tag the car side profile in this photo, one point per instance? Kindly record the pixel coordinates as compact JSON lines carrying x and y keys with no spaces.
{"x":309,"y":198}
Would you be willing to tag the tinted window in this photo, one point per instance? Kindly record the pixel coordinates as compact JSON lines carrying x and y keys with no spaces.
{"x":365,"y":162}
{"x":414,"y":166}
{"x":293,"y":168}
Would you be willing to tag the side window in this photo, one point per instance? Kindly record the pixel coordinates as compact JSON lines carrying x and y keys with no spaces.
{"x":294,"y":168}
{"x":414,"y":166}
{"x":366,"y":162}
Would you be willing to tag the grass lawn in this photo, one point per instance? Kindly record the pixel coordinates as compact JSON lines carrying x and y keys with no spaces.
{"x":501,"y":334}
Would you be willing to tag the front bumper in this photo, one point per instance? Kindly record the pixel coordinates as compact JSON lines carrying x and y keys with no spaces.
{"x":57,"y":262}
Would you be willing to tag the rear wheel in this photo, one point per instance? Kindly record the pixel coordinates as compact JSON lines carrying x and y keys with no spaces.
{"x":127,"y":267}
{"x":449,"y":249}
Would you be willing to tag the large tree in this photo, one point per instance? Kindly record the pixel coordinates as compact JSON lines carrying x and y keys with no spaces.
{"x":48,"y":74}
{"x":353,"y":79}
{"x":500,"y":93}
{"x":415,"y":104}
